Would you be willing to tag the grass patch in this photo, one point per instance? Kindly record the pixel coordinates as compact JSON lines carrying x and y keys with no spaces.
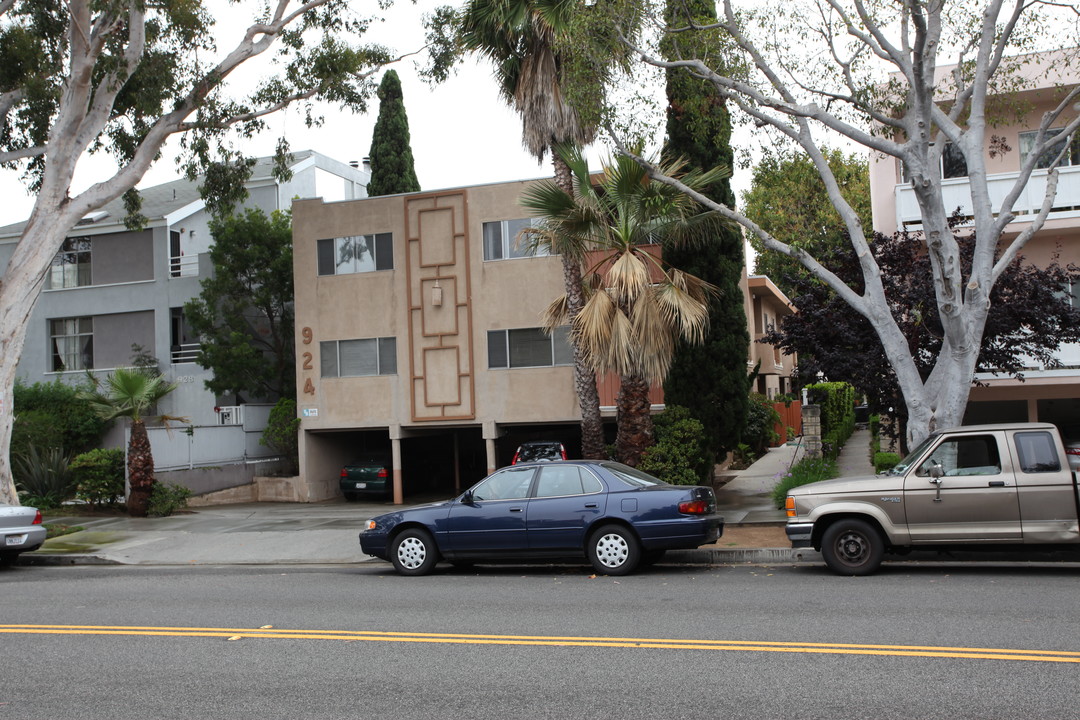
{"x":55,"y":530}
{"x":84,"y":542}
{"x":805,"y":471}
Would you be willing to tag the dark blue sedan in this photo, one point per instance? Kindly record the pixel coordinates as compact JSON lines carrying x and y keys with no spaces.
{"x":613,"y":515}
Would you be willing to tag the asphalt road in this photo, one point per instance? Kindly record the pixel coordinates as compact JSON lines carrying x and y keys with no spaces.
{"x":538,"y":642}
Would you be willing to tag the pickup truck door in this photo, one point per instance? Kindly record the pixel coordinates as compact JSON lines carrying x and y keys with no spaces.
{"x":1048,"y":501}
{"x":972,"y":497}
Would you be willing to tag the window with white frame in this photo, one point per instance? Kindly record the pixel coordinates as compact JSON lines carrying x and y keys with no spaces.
{"x":529,"y":347}
{"x":356,"y":254}
{"x":503,"y":240}
{"x":71,"y":266}
{"x":1027,"y":145}
{"x":71,"y":344}
{"x":356,"y":358}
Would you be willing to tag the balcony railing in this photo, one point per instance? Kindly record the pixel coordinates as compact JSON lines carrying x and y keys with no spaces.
{"x":185,"y":353}
{"x":957,"y":194}
{"x":184,"y":266}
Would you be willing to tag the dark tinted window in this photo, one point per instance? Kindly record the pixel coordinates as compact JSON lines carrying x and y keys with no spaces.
{"x":1037,"y":452}
{"x":325,"y":252}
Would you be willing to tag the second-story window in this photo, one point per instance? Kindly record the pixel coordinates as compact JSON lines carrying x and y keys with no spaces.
{"x":356,"y":254}
{"x":1072,"y":155}
{"x":529,"y":347}
{"x":355,"y":358}
{"x":503,"y":240}
{"x":71,"y":266}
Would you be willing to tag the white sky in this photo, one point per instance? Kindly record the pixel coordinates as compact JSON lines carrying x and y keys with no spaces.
{"x":462,"y":131}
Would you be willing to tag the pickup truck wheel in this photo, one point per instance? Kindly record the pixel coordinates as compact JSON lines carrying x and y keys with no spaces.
{"x":852,"y":547}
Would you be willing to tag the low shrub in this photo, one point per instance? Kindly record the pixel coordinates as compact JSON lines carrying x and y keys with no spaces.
{"x":760,"y":429}
{"x":167,"y":498}
{"x":805,"y":471}
{"x":679,"y":456}
{"x":43,"y":476}
{"x":281,"y":432}
{"x":99,"y":476}
{"x":885,"y":460}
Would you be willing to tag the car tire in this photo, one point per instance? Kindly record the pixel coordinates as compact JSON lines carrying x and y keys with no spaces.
{"x":614,"y":550}
{"x":413,"y":552}
{"x":351,"y":497}
{"x":8,"y":558}
{"x":852,"y":547}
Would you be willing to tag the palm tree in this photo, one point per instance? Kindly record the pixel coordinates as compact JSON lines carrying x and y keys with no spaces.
{"x":636,"y":306}
{"x":132,"y":393}
{"x":519,"y":38}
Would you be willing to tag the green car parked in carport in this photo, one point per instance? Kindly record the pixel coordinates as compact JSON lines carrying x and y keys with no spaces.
{"x":367,"y":476}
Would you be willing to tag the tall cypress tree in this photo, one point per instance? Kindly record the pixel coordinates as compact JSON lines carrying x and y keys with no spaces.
{"x":711,"y":379}
{"x":391,"y":156}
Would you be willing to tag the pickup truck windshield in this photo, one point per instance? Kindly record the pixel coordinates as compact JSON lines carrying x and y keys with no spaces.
{"x":902,"y":467}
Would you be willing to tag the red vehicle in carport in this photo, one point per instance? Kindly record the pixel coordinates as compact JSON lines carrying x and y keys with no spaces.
{"x":614,"y":516}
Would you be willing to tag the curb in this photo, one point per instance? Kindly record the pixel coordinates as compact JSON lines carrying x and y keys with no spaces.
{"x":699,"y":556}
{"x":60,"y":560}
{"x":730,"y":556}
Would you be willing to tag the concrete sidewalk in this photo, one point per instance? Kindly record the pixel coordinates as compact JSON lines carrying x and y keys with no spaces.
{"x":327,"y":533}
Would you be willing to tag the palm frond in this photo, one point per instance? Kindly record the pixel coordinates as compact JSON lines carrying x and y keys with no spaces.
{"x":556,"y":314}
{"x":627,"y":277}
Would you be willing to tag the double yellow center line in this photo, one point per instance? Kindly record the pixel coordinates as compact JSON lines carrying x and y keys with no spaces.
{"x":268,"y":632}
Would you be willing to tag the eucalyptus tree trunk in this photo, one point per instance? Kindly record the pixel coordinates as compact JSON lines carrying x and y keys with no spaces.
{"x":635,"y":420}
{"x":20,"y":286}
{"x":592,"y":427}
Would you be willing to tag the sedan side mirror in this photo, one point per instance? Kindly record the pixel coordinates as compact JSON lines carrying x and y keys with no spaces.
{"x":936,"y":470}
{"x":467,"y":498}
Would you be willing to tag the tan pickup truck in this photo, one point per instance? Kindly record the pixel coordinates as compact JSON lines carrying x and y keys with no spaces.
{"x":986,"y":486}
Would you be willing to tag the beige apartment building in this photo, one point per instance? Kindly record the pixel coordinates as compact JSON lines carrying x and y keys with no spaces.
{"x":418,"y":333}
{"x":1046,"y":394}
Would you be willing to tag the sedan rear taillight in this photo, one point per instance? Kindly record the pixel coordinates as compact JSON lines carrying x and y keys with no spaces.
{"x":37,"y":518}
{"x":344,"y":472}
{"x":383,"y":473}
{"x":694,"y":507}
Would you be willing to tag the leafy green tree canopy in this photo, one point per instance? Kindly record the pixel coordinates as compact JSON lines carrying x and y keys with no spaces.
{"x":391,"y":155}
{"x":791,"y":203}
{"x":244,"y":313}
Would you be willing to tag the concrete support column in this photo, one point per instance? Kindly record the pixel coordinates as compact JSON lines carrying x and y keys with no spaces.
{"x":1033,"y":410}
{"x":491,"y":433}
{"x":395,"y":462}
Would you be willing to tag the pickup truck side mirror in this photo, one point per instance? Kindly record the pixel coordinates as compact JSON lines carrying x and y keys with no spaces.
{"x":936,"y":470}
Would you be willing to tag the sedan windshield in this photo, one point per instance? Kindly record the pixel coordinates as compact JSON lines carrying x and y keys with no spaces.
{"x":631,"y":476}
